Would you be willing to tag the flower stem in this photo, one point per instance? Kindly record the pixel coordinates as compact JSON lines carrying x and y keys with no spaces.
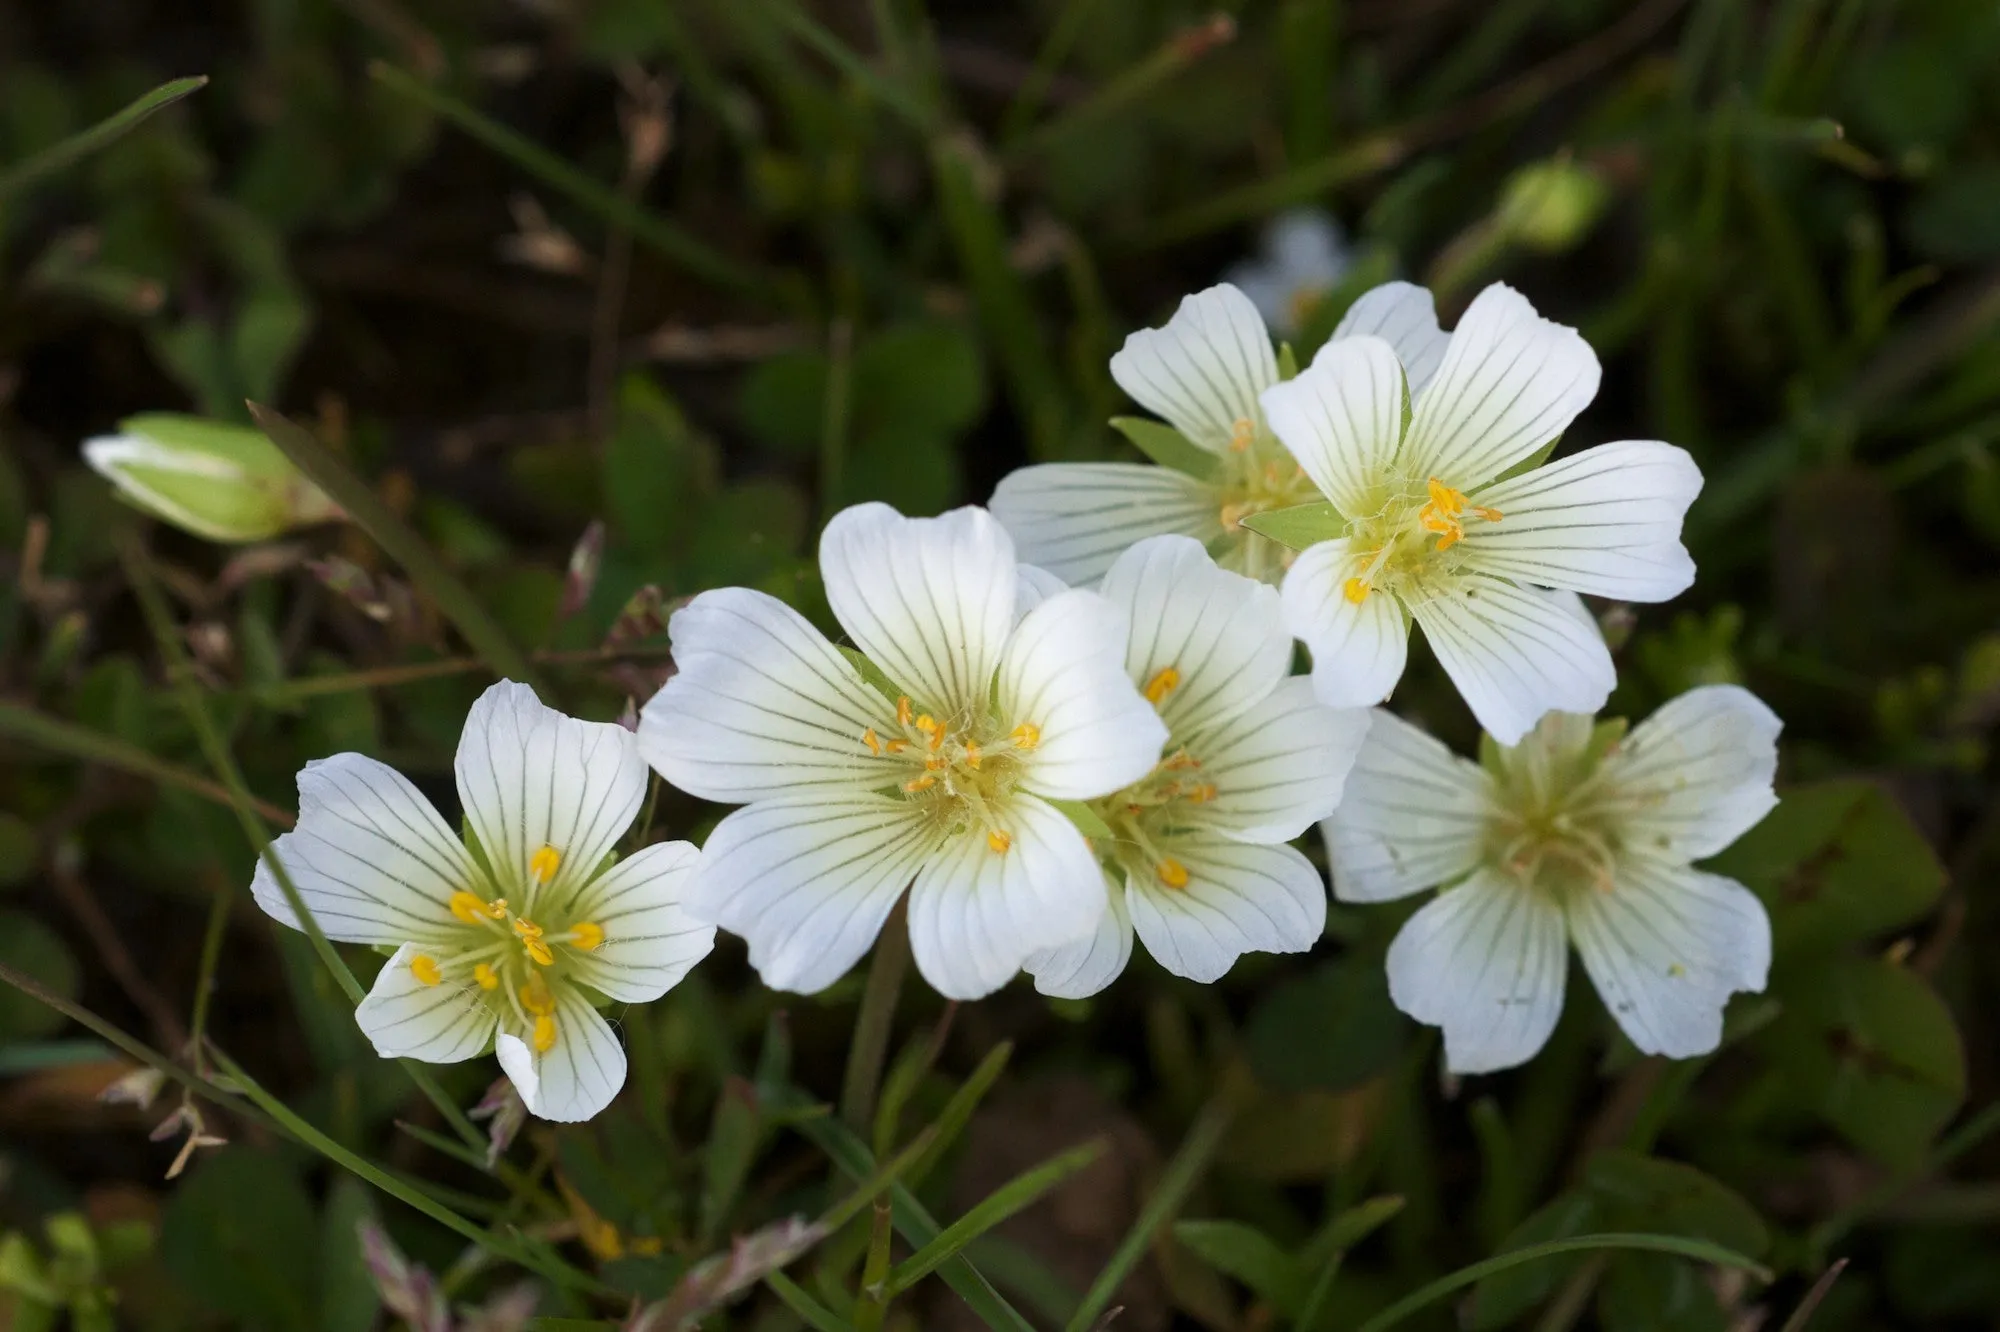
{"x":873,"y":1024}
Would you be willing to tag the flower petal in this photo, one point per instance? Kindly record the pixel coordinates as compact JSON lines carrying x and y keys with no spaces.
{"x":1413,"y":815}
{"x":1064,"y":674}
{"x":530,"y":777}
{"x":1074,"y":518}
{"x":371,"y":858}
{"x":1487,"y":962}
{"x":1697,"y":774}
{"x":1511,"y":382}
{"x":1666,"y":947}
{"x":1238,"y":899}
{"x":1088,"y":965}
{"x":650,"y":942}
{"x":760,"y":705}
{"x":578,"y":1076}
{"x":1036,"y":586}
{"x":1515,"y":653}
{"x":1342,"y":418}
{"x":1203,"y":371}
{"x":807,"y":883}
{"x":1279,"y":768}
{"x":977,"y":915}
{"x":1606,"y":521}
{"x":1358,"y":648}
{"x":929,"y":600}
{"x":1404,"y":316}
{"x":1220,"y":634}
{"x":403,"y":1018}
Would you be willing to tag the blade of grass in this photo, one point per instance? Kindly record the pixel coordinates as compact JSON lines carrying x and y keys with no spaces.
{"x":1018,"y":1193}
{"x":1699,"y":1250}
{"x":404,"y":546}
{"x":1186,"y":1167}
{"x":1172,"y":56}
{"x":1803,"y":1314}
{"x":884,"y":90}
{"x":1063,"y":34}
{"x":810,"y":1311}
{"x":604,"y":200}
{"x":20,"y":722}
{"x":850,"y":1207}
{"x":107,"y":131}
{"x":957,"y":1112}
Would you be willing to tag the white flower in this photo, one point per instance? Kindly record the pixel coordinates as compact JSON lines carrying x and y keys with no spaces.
{"x":996,"y":695}
{"x":1575,"y":836}
{"x":219,"y":481}
{"x":1204,"y":373}
{"x":1304,"y":256}
{"x":1438,"y":530}
{"x":509,"y":935}
{"x":1197,"y":850}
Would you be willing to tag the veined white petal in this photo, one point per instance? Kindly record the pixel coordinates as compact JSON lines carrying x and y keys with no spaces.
{"x":1036,"y":586}
{"x":575,"y":1078}
{"x":1511,"y":381}
{"x":929,"y":600}
{"x":372,"y":860}
{"x":1085,"y":967}
{"x":1358,"y":648}
{"x":1220,"y":634}
{"x":1203,"y":371}
{"x":1278,"y":768}
{"x":1074,"y":518}
{"x":1666,"y":947}
{"x":1606,"y":521}
{"x":1487,"y":962}
{"x":1413,"y":815}
{"x":1404,"y":316}
{"x":1342,"y":418}
{"x":650,"y":942}
{"x":1697,"y":774}
{"x":1515,"y":653}
{"x":977,"y":915}
{"x":1064,"y":674}
{"x":1238,"y":899}
{"x":403,"y":1018}
{"x":530,"y":777}
{"x":760,"y":705}
{"x":808,"y":883}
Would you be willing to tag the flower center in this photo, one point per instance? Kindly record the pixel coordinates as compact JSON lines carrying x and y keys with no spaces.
{"x":961,"y":774}
{"x":1144,"y":815}
{"x":1394,"y":544}
{"x":1555,"y":850}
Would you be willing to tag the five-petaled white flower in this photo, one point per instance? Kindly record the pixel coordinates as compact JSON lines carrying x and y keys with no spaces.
{"x":1438,"y":530}
{"x":1302,"y":255}
{"x":1575,"y":836}
{"x":1203,"y":372}
{"x":1196,"y":852}
{"x":511,"y":935}
{"x":992,"y":700}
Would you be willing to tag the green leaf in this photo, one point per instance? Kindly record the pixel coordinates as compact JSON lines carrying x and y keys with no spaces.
{"x":1329,"y":1030}
{"x":109,"y":130}
{"x":239,"y":1236}
{"x":1676,"y":1199}
{"x":1015,"y":1195}
{"x":1300,"y":527}
{"x":657,"y":470}
{"x":1167,"y":446}
{"x":32,"y":947}
{"x":1249,"y":1255}
{"x":1504,"y":1295}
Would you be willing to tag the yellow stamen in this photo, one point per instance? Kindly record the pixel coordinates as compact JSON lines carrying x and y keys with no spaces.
{"x":873,"y":741}
{"x":1490,"y":515}
{"x":539,"y":951}
{"x":1356,"y":591}
{"x":930,"y":727}
{"x":1234,"y":514}
{"x":934,"y":764}
{"x":1164,"y":682}
{"x":923,"y":783}
{"x":895,"y":746}
{"x":1026,"y":736}
{"x":587,"y":935}
{"x":1202,"y":793}
{"x":488,"y":978}
{"x":526,"y":928}
{"x":537,"y":998}
{"x":1241,"y":433}
{"x":972,"y":756}
{"x":1172,"y":873}
{"x":1445,"y":499}
{"x":542,"y":866}
{"x":903,"y":711}
{"x":425,"y":969}
{"x":468,"y":908}
{"x":545,"y":1034}
{"x":999,"y":841}
{"x":1181,"y":759}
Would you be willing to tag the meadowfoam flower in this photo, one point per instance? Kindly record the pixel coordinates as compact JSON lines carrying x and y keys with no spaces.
{"x":1203,"y":372}
{"x":1303,"y":256}
{"x":504,"y":941}
{"x":1573,"y":836}
{"x":1437,"y":527}
{"x":982,"y":695}
{"x":1195,"y":850}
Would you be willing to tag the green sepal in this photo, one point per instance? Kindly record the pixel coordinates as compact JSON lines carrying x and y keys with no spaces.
{"x":1604,"y":738}
{"x":1087,"y":820}
{"x":1300,"y":527}
{"x":1167,"y":446}
{"x":1527,"y":464}
{"x":1288,"y":362}
{"x":870,"y":672}
{"x":1492,"y":757}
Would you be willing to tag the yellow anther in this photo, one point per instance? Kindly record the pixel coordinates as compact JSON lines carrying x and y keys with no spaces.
{"x":542,"y":866}
{"x":1172,"y":873}
{"x":587,"y":935}
{"x":526,"y":928}
{"x":930,"y":726}
{"x":972,"y":755}
{"x":488,"y":978}
{"x":536,"y":996}
{"x":1202,"y":793}
{"x":468,"y":908}
{"x":934,"y":764}
{"x":545,"y":1034}
{"x":1490,"y":515}
{"x":1355,"y":590}
{"x":999,"y":841}
{"x":873,"y":741}
{"x":923,"y":783}
{"x":539,"y":951}
{"x":1241,"y":433}
{"x":1234,"y":514}
{"x":1026,"y":736}
{"x":425,"y":968}
{"x":1445,"y":499}
{"x":1164,"y":682}
{"x":1181,"y":760}
{"x":903,"y":711}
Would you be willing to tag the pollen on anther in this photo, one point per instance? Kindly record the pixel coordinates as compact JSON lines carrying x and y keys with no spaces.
{"x":972,"y":756}
{"x":1241,"y":434}
{"x":999,"y":841}
{"x":923,"y":783}
{"x":545,"y":1034}
{"x":873,"y":741}
{"x":1164,"y":682}
{"x":536,"y":997}
{"x":1172,"y":873}
{"x":1355,"y":590}
{"x":542,"y":866}
{"x":1026,"y":736}
{"x":425,"y":968}
{"x":903,"y":711}
{"x":488,"y":978}
{"x":587,"y":935}
{"x":468,"y":908}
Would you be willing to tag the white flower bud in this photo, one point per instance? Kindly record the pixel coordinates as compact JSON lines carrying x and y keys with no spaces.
{"x":219,"y":481}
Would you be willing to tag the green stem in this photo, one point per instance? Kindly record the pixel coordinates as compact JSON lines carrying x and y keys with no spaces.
{"x":20,"y":722}
{"x":104,"y":132}
{"x":874,"y":1023}
{"x":1173,"y":55}
{"x":211,"y":957}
